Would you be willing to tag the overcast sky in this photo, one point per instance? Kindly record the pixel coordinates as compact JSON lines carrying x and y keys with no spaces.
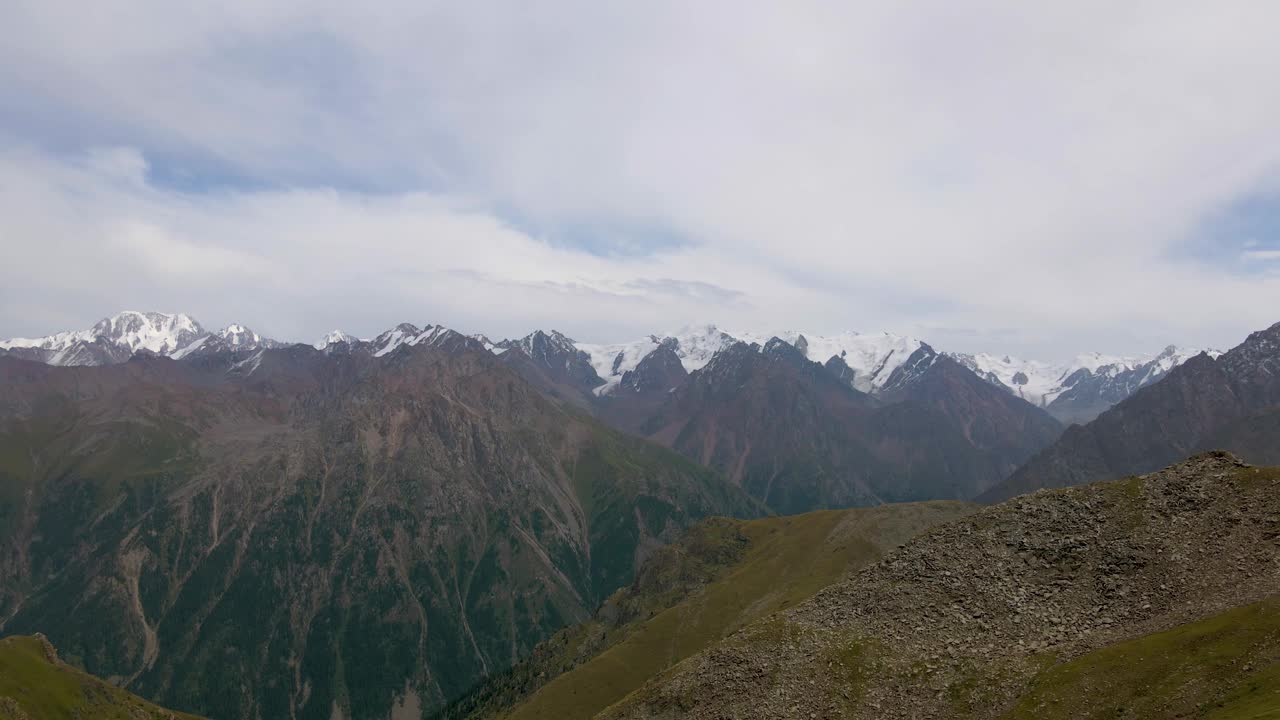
{"x":1038,"y":178}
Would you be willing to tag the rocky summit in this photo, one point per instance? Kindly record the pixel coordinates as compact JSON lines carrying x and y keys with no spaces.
{"x":1017,"y":610}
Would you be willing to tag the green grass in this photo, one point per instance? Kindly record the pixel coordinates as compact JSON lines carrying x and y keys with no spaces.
{"x":32,"y":686}
{"x":1226,"y":667}
{"x":788,"y":560}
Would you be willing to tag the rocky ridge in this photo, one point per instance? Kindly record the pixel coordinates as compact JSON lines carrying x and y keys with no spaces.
{"x":960,"y":621}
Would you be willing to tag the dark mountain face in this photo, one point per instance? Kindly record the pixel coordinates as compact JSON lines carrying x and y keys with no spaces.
{"x":794,"y":434}
{"x":1229,"y":403}
{"x":1006,"y":428}
{"x":295,"y":533}
{"x":552,"y":363}
{"x":840,"y":369}
{"x":642,"y":391}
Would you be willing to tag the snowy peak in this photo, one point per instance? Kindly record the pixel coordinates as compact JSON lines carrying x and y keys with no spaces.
{"x":872,"y":358}
{"x":543,"y":347}
{"x":117,"y":338}
{"x":160,"y":333}
{"x":113,"y":339}
{"x":1077,"y":391}
{"x":336,"y":337}
{"x":693,"y":345}
{"x":238,"y":336}
{"x":402,"y":335}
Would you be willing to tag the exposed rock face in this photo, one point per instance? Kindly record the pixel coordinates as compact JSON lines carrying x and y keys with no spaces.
{"x":296,"y":531}
{"x":1231,"y":402}
{"x":961,"y":620}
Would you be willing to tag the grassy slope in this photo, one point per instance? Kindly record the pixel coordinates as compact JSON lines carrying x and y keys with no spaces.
{"x":788,"y":560}
{"x":35,"y":687}
{"x":1226,"y":667}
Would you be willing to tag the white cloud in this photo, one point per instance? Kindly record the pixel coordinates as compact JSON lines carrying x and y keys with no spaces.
{"x":916,"y":167}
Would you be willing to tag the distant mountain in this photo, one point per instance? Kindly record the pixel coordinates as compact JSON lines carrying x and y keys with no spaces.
{"x":1078,"y":391}
{"x":693,"y":346}
{"x":553,"y":363}
{"x":871,"y":358}
{"x":1151,"y":597}
{"x":795,"y":433}
{"x":798,"y":437}
{"x":361,"y":531}
{"x":36,"y":684}
{"x":1231,"y":402}
{"x":121,"y":336}
{"x":1073,"y":392}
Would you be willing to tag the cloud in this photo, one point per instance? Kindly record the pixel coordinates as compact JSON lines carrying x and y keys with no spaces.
{"x":1031,"y":173}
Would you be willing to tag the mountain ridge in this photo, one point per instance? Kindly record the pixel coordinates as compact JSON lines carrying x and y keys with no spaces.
{"x":1076,"y":391}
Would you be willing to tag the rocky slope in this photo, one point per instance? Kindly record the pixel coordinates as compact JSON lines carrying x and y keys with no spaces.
{"x":1229,"y":402}
{"x":1071,"y":603}
{"x":331,"y":534}
{"x":720,"y":576}
{"x":36,"y":685}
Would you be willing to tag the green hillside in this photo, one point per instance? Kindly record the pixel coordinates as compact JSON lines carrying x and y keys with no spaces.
{"x":35,"y":685}
{"x":1226,"y":667}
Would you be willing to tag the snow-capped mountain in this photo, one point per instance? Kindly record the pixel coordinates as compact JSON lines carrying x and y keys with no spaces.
{"x":693,"y":345}
{"x":1077,"y":391}
{"x":336,"y":337}
{"x":237,"y":336}
{"x":119,"y":337}
{"x":874,"y":363}
{"x":402,"y":335}
{"x":872,"y":358}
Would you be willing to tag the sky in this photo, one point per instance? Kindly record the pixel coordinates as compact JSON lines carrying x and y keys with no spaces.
{"x":1039,"y":179}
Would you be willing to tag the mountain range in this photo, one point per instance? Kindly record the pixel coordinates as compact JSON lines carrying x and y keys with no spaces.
{"x":427,"y":520}
{"x":1075,"y":391}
